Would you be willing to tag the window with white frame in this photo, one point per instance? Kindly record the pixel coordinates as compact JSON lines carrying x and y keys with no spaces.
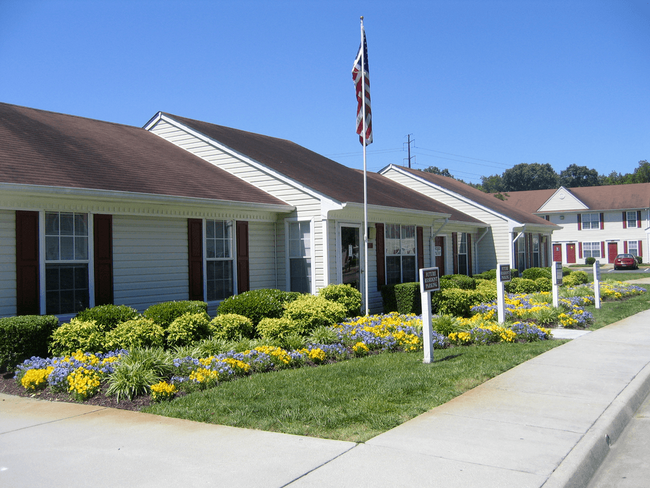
{"x":633,"y":247}
{"x":591,"y":221}
{"x":66,"y":262}
{"x":631,"y":218}
{"x":462,"y":254}
{"x":536,"y":251}
{"x":219,"y":259}
{"x":521,"y":253}
{"x":399,"y":244}
{"x":300,"y":257}
{"x":591,"y":249}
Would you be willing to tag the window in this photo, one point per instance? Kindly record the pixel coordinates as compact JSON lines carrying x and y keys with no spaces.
{"x":462,"y":254}
{"x":521,"y":253}
{"x":300,"y":257}
{"x":219,"y":259}
{"x":400,"y":253}
{"x":535,"y":251}
{"x":66,"y":262}
{"x":631,"y":219}
{"x":591,"y":249}
{"x":591,"y":221}
{"x":633,"y":247}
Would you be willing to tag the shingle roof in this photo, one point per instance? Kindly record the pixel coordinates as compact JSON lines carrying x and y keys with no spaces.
{"x":516,"y":213}
{"x":319,"y":173}
{"x":52,"y":149}
{"x":528,"y":201}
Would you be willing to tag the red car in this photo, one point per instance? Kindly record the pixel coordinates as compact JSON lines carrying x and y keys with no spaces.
{"x":625,"y":261}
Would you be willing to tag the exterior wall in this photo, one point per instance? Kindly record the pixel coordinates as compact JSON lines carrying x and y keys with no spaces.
{"x":560,"y":201}
{"x":613,"y":231}
{"x":265,"y":258}
{"x":7,"y":263}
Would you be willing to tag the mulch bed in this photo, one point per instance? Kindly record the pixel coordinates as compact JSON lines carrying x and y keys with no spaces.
{"x":9,"y":386}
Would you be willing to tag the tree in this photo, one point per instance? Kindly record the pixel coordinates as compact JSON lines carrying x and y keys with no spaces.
{"x":574,"y":176}
{"x":492,"y":184}
{"x":533,"y":176}
{"x":642,"y":173}
{"x":437,"y":171}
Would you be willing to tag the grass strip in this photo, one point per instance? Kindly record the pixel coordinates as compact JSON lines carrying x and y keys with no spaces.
{"x":352,"y":400}
{"x":615,"y":310}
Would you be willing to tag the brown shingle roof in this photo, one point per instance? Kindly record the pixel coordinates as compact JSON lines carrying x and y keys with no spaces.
{"x":319,"y":173}
{"x":517,"y":213}
{"x":52,"y":149}
{"x":528,"y":201}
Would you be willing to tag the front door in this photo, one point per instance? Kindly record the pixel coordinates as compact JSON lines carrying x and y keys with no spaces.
{"x":439,"y":254}
{"x":612,"y":251}
{"x":570,"y":253}
{"x":557,"y":253}
{"x":350,"y":257}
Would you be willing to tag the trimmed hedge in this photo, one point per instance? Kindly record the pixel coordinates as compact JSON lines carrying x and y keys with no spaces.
{"x":278,"y":329}
{"x":165,"y":313}
{"x":346,"y":295}
{"x":408,"y":297}
{"x":231,"y":326}
{"x":108,"y":316}
{"x":310,"y":312}
{"x":77,"y":334}
{"x":534,"y":273}
{"x":258,"y":304}
{"x":137,"y":333}
{"x":189,"y":328}
{"x":388,"y":298}
{"x":23,"y":337}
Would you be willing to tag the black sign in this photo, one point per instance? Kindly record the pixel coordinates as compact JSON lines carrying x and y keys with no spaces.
{"x":504,"y":273}
{"x":430,"y":280}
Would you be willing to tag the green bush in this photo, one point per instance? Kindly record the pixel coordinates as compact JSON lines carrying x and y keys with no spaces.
{"x":258,"y":304}
{"x":534,"y":273}
{"x":165,"y":313}
{"x":488,"y":289}
{"x":570,"y":280}
{"x":137,"y":371}
{"x":566,"y":271}
{"x":590,"y":260}
{"x":311,"y":311}
{"x":23,"y":337}
{"x":458,"y":302}
{"x":388,"y":298}
{"x":581,"y":276}
{"x":544,"y":284}
{"x":458,"y":281}
{"x":486,"y":275}
{"x":136,"y":333}
{"x":408,"y":297}
{"x":521,"y":285}
{"x":189,"y":328}
{"x":231,"y":326}
{"x":108,"y":316}
{"x":77,"y":334}
{"x":278,"y":329}
{"x":445,"y":325}
{"x":346,"y":295}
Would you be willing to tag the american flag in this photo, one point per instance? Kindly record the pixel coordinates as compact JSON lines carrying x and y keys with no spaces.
{"x":361,"y":77}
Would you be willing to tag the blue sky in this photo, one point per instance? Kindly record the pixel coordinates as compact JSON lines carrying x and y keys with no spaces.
{"x":481,"y":85}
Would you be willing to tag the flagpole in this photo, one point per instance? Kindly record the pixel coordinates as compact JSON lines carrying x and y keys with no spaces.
{"x":365,"y":177}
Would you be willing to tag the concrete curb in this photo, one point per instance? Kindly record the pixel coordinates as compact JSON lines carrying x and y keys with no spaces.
{"x":577,"y":469}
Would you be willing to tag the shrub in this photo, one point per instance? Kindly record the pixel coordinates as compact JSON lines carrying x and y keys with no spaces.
{"x":131,"y":379}
{"x":231,"y":326}
{"x":23,"y":337}
{"x":258,"y":304}
{"x":486,"y":275}
{"x":346,"y":295}
{"x":488,"y":289}
{"x":458,"y":302}
{"x":570,"y":280}
{"x":311,"y":311}
{"x":273,"y":329}
{"x":408,"y":298}
{"x":458,"y":281}
{"x":590,"y":260}
{"x":581,"y":276}
{"x":189,"y":328}
{"x":534,"y":273}
{"x":544,"y":284}
{"x":139,"y":332}
{"x":388,"y":298}
{"x":521,"y":285}
{"x":75,"y":335}
{"x":165,"y":313}
{"x":108,"y":316}
{"x":566,"y":271}
{"x":445,"y":325}
{"x":639,"y":259}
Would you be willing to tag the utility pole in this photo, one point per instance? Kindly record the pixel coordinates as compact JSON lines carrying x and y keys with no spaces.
{"x":409,"y":149}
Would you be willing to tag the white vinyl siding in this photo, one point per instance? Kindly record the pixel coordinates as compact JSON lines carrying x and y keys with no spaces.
{"x":263,"y":262}
{"x":150,"y":260}
{"x":7,"y":263}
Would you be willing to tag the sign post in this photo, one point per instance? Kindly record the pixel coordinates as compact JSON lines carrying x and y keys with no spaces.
{"x":429,"y":281}
{"x":556,"y":275}
{"x":597,"y":283}
{"x":503,"y":276}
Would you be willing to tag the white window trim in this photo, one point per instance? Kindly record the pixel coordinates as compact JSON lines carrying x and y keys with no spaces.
{"x":634,"y":220}
{"x":598,"y":246}
{"x":312,"y":254}
{"x":400,"y":255}
{"x":41,"y":261}
{"x":636,"y":246}
{"x":204,"y":259}
{"x":590,"y":221}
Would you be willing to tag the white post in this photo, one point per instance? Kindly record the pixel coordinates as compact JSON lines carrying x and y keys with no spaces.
{"x":503,"y":275}
{"x":597,"y":283}
{"x":556,"y":274}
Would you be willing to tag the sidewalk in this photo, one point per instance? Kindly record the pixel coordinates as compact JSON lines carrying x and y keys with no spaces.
{"x":544,"y":424}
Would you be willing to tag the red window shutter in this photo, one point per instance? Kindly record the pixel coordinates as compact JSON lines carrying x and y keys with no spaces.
{"x":469,"y":254}
{"x":580,"y":250}
{"x":625,"y":246}
{"x":638,"y":218}
{"x":602,"y":249}
{"x":381,"y":264}
{"x":195,"y":258}
{"x":243,"y":271}
{"x":454,"y":245}
{"x":602,"y":221}
{"x":27,"y":265}
{"x":625,"y":220}
{"x":103,"y":254}
{"x":579,"y":223}
{"x":419,"y":232}
{"x":640,"y":249}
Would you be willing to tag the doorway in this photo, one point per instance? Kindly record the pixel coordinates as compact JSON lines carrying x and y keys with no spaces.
{"x":612,"y":251}
{"x":557,"y":253}
{"x":350,"y":256}
{"x":571,"y":253}
{"x":439,"y":254}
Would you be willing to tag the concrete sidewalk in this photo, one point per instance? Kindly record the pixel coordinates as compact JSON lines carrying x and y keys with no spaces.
{"x":544,"y":423}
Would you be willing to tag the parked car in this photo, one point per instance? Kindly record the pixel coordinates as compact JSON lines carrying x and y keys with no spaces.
{"x":625,"y":261}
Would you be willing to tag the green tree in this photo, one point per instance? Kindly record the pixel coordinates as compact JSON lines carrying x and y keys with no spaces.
{"x":533,"y":176}
{"x":642,"y":173}
{"x":437,"y":171}
{"x":492,"y":184}
{"x":574,"y":176}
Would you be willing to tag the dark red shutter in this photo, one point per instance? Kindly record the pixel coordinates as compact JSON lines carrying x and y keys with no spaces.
{"x":625,"y":246}
{"x":625,"y":220}
{"x":638,"y":219}
{"x":195,"y":256}
{"x":243,"y":273}
{"x":454,"y":245}
{"x":381,"y":265}
{"x":580,"y":250}
{"x":27,"y":267}
{"x":602,"y":248}
{"x":419,"y":232}
{"x":103,"y":254}
{"x":602,"y":221}
{"x":579,"y":222}
{"x":469,"y":254}
{"x":640,"y":251}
